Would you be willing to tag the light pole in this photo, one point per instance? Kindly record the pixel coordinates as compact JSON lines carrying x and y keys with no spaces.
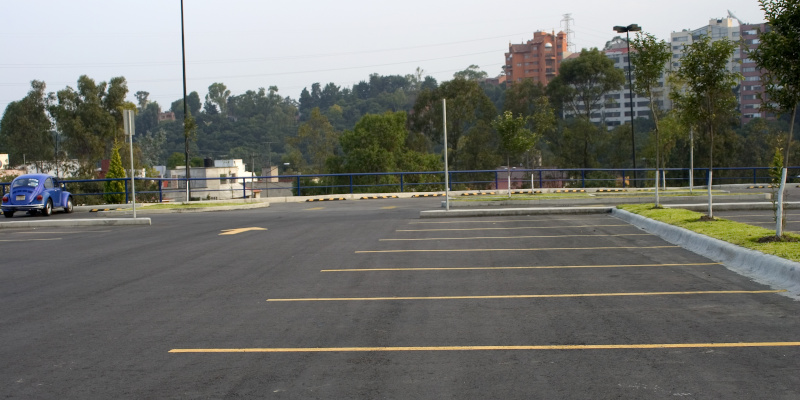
{"x":185,"y":112}
{"x":627,"y":30}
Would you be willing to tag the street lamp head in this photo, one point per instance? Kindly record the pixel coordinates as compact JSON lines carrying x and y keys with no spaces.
{"x":629,"y":28}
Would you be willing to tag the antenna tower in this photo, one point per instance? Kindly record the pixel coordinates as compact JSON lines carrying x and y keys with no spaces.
{"x":567,"y":22}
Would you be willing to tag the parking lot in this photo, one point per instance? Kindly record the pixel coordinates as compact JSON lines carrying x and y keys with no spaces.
{"x":366,"y":300}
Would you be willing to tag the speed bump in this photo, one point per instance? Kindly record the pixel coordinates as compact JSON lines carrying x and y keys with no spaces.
{"x":761,"y":187}
{"x":611,"y":190}
{"x":526,"y":192}
{"x":477,"y":193}
{"x":570,"y":191}
{"x":105,"y":209}
{"x":328,"y":199}
{"x":428,"y":195}
{"x":378,"y":197}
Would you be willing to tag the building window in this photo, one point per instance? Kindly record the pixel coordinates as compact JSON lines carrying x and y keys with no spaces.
{"x":680,"y":39}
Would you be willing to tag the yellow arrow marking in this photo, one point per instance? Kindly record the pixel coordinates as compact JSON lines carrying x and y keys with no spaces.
{"x":240,"y":230}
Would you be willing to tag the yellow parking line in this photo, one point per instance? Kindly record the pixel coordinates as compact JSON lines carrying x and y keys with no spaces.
{"x":534,"y":249}
{"x":532,"y":296}
{"x":495,"y":348}
{"x":27,"y":240}
{"x":512,"y":237}
{"x":315,"y":208}
{"x":388,"y":208}
{"x":539,"y":267}
{"x":510,"y":228}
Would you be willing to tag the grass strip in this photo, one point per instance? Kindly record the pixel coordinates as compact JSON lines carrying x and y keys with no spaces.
{"x":737,"y":233}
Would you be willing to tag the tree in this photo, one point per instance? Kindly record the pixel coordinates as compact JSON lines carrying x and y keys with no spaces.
{"x":218,"y":95}
{"x":25,"y":129}
{"x":90,"y":118}
{"x":472,"y":73}
{"x":152,"y":147}
{"x":704,"y":96}
{"x":115,"y":189}
{"x":778,"y":54}
{"x":141,"y":99}
{"x":467,"y":105}
{"x":514,"y":137}
{"x":520,"y":97}
{"x":378,"y":144}
{"x":317,"y":139}
{"x":581,"y":86}
{"x":649,"y":61}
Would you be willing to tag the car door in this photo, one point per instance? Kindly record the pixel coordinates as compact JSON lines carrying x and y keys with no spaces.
{"x":52,"y":187}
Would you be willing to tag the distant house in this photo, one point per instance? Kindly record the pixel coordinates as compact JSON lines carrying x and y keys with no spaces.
{"x":219,"y":180}
{"x":166,"y":116}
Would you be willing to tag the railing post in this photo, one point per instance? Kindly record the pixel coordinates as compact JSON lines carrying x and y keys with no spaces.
{"x":754,"y":176}
{"x":623,"y":179}
{"x":449,"y":180}
{"x":298,"y":186}
{"x":401,"y":182}
{"x":351,"y":183}
{"x":496,"y":186}
{"x":244,"y":188}
{"x":540,"y":180}
{"x":583,"y":178}
{"x":126,"y":189}
{"x":160,"y":193}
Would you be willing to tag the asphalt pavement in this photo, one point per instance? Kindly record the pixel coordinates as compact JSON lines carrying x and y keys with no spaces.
{"x":363,"y":299}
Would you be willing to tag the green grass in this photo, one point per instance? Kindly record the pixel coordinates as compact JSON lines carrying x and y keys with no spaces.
{"x":168,"y":206}
{"x":730,"y":231}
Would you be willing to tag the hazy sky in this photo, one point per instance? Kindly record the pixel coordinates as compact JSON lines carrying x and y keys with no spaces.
{"x":248,"y":44}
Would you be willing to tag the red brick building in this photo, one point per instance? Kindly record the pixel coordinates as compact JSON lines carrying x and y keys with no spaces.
{"x":538,"y":59}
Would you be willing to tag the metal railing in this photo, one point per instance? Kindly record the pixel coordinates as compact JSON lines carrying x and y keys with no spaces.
{"x":92,"y":191}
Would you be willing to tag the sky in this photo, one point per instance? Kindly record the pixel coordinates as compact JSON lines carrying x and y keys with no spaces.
{"x":250,"y":44}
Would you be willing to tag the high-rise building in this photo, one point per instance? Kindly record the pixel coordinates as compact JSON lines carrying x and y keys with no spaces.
{"x":537,"y":59}
{"x":616,"y":107}
{"x":752,"y":89}
{"x":717,"y":29}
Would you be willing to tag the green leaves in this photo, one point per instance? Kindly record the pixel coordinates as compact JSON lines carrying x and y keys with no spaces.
{"x":115,"y":190}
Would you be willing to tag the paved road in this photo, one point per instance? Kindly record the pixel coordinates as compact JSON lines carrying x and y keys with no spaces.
{"x":763,"y":218}
{"x":365,"y":300}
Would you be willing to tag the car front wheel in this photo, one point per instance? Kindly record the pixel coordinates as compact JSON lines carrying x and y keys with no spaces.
{"x":8,"y":214}
{"x":69,"y":207}
{"x":48,"y":208}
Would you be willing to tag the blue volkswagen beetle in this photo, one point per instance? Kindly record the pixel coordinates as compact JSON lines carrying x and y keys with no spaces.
{"x":36,"y":193}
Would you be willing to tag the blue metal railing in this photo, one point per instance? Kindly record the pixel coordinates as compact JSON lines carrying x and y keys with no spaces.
{"x":158,"y":189}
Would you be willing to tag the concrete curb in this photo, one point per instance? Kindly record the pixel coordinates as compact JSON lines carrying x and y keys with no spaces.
{"x":76,"y":222}
{"x":129,"y":211}
{"x":512,"y":211}
{"x":601,"y":201}
{"x":778,"y":273}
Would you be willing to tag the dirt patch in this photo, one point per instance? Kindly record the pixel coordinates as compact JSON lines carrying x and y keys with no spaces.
{"x":706,"y":218}
{"x":775,"y":239}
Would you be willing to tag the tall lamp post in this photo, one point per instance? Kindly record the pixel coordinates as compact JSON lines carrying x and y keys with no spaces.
{"x":185,"y":111}
{"x":626,"y":30}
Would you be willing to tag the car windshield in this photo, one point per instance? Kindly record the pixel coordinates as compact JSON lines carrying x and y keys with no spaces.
{"x":30,"y":182}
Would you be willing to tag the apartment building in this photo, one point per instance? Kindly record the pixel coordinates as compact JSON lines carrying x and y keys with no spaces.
{"x":616,"y":107}
{"x":717,"y":29}
{"x":537,"y":59}
{"x":752,"y":89}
